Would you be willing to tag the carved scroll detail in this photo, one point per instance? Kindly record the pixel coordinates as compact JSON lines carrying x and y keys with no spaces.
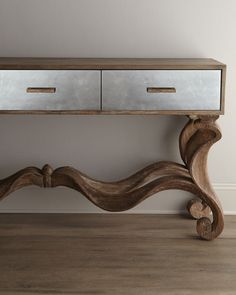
{"x":198,"y":209}
{"x":111,"y":196}
{"x":195,"y":142}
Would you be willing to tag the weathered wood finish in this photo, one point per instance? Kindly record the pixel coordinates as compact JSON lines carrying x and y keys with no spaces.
{"x":111,"y":112}
{"x":198,"y":209}
{"x":195,"y":141}
{"x":108,"y":63}
{"x":41,"y":90}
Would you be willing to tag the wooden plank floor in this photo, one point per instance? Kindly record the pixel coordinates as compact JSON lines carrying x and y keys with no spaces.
{"x":113,"y":254}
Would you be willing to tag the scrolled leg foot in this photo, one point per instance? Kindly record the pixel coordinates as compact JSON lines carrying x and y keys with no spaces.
{"x":198,"y":209}
{"x":204,"y":229}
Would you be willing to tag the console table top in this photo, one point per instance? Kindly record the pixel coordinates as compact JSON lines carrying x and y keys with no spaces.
{"x":12,"y":63}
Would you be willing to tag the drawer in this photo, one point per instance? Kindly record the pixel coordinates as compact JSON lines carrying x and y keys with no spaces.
{"x":161,"y":89}
{"x":50,"y":90}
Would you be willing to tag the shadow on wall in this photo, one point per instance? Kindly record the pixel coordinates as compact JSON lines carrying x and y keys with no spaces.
{"x":107,"y":147}
{"x":104,"y":147}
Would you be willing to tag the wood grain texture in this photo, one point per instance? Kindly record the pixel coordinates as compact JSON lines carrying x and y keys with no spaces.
{"x":108,"y":63}
{"x":118,"y":254}
{"x":195,"y":141}
{"x":111,"y":196}
{"x":41,"y":90}
{"x":111,"y":112}
{"x":161,"y":90}
{"x":198,"y":209}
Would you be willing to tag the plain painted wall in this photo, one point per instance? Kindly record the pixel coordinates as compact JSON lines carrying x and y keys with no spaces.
{"x":112,"y":147}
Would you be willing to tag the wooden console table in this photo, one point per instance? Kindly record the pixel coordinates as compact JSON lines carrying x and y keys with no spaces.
{"x":190,"y":87}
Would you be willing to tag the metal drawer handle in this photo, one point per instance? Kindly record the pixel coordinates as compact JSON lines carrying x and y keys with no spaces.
{"x":41,"y":90}
{"x":161,"y":90}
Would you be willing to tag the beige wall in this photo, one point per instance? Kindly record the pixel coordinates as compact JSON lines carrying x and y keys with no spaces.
{"x":112,"y":147}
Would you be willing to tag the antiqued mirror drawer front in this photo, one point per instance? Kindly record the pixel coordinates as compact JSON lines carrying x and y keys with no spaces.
{"x":161,"y":90}
{"x":50,"y":90}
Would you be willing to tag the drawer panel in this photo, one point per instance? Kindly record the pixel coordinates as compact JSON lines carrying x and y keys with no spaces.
{"x":49,"y":90}
{"x":161,"y":90}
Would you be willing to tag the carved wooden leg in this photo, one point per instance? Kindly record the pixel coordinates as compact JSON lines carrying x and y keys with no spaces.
{"x":196,"y":140}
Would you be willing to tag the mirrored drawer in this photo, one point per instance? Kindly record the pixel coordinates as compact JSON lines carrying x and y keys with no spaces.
{"x":161,"y":89}
{"x":49,"y":90}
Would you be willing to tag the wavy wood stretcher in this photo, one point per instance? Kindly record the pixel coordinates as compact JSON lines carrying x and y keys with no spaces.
{"x":197,"y":137}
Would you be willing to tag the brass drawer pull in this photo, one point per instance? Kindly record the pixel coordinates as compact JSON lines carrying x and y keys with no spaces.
{"x":161,"y":90}
{"x":41,"y":90}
